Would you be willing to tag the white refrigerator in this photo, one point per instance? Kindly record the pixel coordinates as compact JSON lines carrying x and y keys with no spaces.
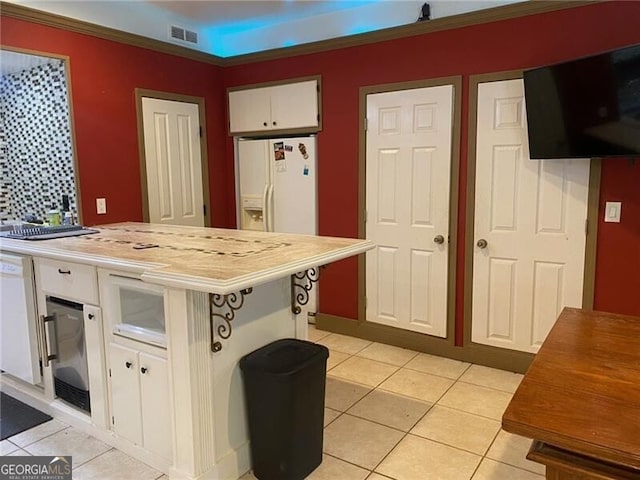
{"x":276,"y":184}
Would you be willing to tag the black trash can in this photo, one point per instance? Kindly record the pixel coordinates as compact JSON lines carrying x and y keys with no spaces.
{"x":284,"y":385}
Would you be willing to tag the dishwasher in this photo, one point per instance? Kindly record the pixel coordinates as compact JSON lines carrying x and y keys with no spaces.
{"x":70,"y":372}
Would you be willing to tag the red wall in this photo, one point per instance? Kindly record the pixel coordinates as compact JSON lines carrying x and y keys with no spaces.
{"x":499,"y":46}
{"x":618,"y":257}
{"x":104,"y":75}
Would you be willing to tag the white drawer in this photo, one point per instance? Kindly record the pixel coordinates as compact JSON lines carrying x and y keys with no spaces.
{"x":68,"y":280}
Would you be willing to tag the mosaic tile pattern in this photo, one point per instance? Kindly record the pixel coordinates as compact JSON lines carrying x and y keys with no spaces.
{"x":5,"y":183}
{"x":36,"y":155}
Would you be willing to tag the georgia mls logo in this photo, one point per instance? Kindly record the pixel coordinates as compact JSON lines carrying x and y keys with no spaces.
{"x":59,"y":466}
{"x":35,"y":468}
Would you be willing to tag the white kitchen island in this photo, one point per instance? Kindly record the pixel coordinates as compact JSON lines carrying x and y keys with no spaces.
{"x":175,"y":403}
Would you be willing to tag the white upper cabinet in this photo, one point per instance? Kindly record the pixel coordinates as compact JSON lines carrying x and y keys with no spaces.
{"x":279,"y":107}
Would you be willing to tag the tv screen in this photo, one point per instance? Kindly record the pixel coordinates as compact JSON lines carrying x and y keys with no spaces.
{"x":585,"y":108}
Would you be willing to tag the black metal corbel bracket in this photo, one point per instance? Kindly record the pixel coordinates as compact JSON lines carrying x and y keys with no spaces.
{"x":301,"y":285}
{"x":232,"y":302}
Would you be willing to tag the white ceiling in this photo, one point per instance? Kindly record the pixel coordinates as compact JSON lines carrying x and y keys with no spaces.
{"x":228,"y":28}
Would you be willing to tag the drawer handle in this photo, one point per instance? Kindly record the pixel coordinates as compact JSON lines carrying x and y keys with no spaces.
{"x":64,"y":272}
{"x":128,"y":364}
{"x":144,"y":370}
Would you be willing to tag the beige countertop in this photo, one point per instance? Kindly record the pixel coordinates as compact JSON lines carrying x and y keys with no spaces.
{"x":206,"y":259}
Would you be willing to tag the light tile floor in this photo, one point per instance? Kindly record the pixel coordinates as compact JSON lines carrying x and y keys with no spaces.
{"x":390,"y":413}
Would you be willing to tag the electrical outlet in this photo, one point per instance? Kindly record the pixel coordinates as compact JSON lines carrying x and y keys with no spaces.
{"x":101,"y":206}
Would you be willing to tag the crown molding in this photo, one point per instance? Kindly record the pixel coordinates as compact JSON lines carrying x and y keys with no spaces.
{"x":532,"y":7}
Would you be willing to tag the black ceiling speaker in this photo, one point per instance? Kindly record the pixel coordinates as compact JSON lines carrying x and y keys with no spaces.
{"x":425,"y":13}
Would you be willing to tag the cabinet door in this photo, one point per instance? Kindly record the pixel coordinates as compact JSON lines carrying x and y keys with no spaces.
{"x":294,"y":105}
{"x":19,"y":353}
{"x":249,"y":110}
{"x":125,"y":393}
{"x":155,"y":407}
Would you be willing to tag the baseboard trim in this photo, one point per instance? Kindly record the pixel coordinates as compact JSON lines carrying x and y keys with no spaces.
{"x":501,"y":358}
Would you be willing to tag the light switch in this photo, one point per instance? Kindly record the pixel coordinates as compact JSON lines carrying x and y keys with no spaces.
{"x":612,"y":212}
{"x":101,"y":206}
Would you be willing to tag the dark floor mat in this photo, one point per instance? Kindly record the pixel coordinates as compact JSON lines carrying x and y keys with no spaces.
{"x":16,"y":417}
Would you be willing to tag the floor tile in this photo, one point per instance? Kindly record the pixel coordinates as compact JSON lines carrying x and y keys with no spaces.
{"x":314,"y":334}
{"x":377,"y":476}
{"x":341,"y":395}
{"x":343,"y":343}
{"x":364,"y":371}
{"x":492,"y":378}
{"x":458,"y":429}
{"x":18,"y":453}
{"x":513,"y":449}
{"x":387,"y":354}
{"x":445,"y":367}
{"x":6,"y":447}
{"x":492,"y":470}
{"x":390,"y":409}
{"x":246,"y":476}
{"x":115,"y":465}
{"x":38,"y":433}
{"x":70,"y":441}
{"x":423,"y":386}
{"x":359,"y":441}
{"x":418,"y":458}
{"x":330,"y":415}
{"x":483,"y":401}
{"x":333,"y":468}
{"x":336,"y":358}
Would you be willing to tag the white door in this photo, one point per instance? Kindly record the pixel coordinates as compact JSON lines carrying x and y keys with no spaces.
{"x":531,"y":214}
{"x":407,"y":183}
{"x":173,"y":162}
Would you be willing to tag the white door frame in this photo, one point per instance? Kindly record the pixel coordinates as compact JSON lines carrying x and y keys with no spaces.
{"x":590,"y":243}
{"x":175,"y":97}
{"x":438,"y":344}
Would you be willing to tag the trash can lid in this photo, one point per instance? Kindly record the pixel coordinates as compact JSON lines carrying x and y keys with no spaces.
{"x":284,"y":356}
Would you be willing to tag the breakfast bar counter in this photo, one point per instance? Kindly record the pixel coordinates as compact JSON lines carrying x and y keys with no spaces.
{"x":224,"y":294}
{"x":580,"y":399}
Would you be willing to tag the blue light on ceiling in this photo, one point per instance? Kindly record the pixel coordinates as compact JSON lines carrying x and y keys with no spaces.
{"x":225,"y":47}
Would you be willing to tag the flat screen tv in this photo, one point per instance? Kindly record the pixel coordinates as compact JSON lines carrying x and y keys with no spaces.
{"x":585,"y":108}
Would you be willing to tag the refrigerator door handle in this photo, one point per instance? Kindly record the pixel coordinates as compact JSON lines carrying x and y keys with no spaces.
{"x":270,"y":208}
{"x":265,"y":207}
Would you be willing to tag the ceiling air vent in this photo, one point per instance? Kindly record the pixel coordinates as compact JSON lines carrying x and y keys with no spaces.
{"x":182,"y":34}
{"x":177,"y":32}
{"x":190,"y":36}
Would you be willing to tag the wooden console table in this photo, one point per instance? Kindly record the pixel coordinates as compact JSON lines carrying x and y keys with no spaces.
{"x":580,"y":399}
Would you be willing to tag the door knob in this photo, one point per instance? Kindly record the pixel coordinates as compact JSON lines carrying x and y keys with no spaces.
{"x":482,"y":243}
{"x":439,"y":239}
{"x":264,"y":123}
{"x":128,"y":364}
{"x":143,"y":370}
